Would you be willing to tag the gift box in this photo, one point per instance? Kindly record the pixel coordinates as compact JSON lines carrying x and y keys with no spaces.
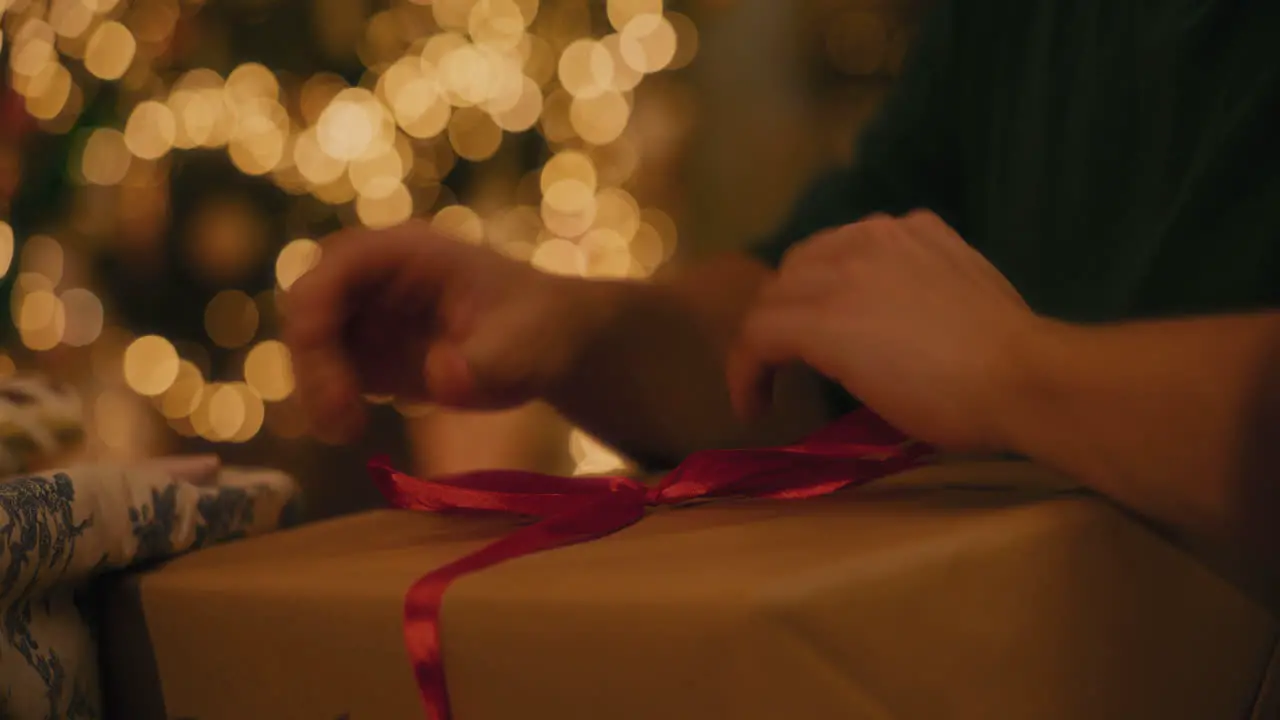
{"x":963,"y":590}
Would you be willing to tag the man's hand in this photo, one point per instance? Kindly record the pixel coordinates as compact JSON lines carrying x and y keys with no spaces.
{"x":902,"y":313}
{"x":411,"y":313}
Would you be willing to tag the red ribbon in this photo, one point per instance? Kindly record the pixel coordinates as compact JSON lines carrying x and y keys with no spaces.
{"x":855,"y":450}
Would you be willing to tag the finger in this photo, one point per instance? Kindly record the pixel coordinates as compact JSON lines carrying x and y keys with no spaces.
{"x":772,"y":336}
{"x":448,"y":376}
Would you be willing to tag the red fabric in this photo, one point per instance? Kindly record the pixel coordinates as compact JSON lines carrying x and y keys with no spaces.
{"x":853,"y":451}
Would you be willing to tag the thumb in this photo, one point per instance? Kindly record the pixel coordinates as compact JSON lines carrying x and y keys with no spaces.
{"x":449,"y":377}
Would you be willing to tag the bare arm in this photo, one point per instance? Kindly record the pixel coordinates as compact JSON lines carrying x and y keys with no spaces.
{"x":650,"y":378}
{"x":1179,"y":420}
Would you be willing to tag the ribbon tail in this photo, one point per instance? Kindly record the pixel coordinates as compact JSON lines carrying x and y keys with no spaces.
{"x":593,"y":518}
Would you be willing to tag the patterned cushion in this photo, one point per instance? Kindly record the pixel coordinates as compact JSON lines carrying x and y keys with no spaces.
{"x":60,"y":530}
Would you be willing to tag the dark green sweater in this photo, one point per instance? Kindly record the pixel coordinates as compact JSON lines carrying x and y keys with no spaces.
{"x":1114,"y":158}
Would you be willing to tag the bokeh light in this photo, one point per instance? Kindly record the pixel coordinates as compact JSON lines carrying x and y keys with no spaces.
{"x":84,"y":317}
{"x":183,"y":396}
{"x":295,"y":260}
{"x":461,"y":222}
{"x":150,"y":365}
{"x":151,"y":130}
{"x":105,"y":159}
{"x":231,"y":319}
{"x":111,"y":49}
{"x":6,"y":247}
{"x":268,"y":370}
{"x":444,"y":82}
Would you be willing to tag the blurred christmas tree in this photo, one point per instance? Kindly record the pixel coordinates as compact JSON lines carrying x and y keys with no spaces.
{"x":166,"y":165}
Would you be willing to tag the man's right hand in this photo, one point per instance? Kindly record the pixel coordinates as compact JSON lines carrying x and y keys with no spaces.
{"x":412,"y":313}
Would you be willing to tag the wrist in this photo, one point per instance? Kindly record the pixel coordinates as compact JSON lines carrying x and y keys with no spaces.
{"x":1025,"y":385}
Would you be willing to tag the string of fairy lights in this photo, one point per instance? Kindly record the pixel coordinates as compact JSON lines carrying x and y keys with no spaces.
{"x":445,"y":80}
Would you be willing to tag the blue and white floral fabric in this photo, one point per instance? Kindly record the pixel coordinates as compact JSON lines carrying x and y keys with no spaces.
{"x":61,"y":529}
{"x":40,"y":421}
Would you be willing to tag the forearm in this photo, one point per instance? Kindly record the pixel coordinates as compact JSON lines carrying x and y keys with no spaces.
{"x":650,"y":378}
{"x":1178,"y":420}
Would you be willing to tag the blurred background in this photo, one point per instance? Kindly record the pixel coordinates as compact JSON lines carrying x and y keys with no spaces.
{"x":167,"y":166}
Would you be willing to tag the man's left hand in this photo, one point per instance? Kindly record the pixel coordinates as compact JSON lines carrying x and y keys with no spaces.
{"x":906,"y":316}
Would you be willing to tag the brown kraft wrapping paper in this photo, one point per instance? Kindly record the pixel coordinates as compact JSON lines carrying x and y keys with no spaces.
{"x":966,"y":591}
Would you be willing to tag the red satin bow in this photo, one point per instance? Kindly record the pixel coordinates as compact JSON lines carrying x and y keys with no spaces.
{"x":855,"y":450}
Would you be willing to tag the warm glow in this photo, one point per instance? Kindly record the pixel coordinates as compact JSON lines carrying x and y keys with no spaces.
{"x":353,"y":124}
{"x":468,"y":76}
{"x":452,"y":14}
{"x":586,"y":69}
{"x":150,"y":131}
{"x":84,"y":317}
{"x":70,"y":18}
{"x":600,"y":120}
{"x":6,"y":247}
{"x":591,"y":457}
{"x":617,"y":211}
{"x":439,"y":46}
{"x":377,"y":176}
{"x":32,"y":50}
{"x":540,"y":61}
{"x":231,"y":319}
{"x":226,"y":412}
{"x":115,"y":416}
{"x":150,"y":365}
{"x":560,"y":257}
{"x":257,"y":154}
{"x":48,"y":94}
{"x":474,"y":135}
{"x":295,"y":260}
{"x":556,"y":127}
{"x":105,"y":160}
{"x":387,"y":211}
{"x":664,"y":226}
{"x":251,"y":81}
{"x":461,"y":222}
{"x":648,"y":43}
{"x":41,"y":320}
{"x":254,"y":413}
{"x":269,"y":371}
{"x":524,"y":112}
{"x":622,"y":12}
{"x":43,"y":255}
{"x":438,"y":81}
{"x":316,"y":94}
{"x":568,"y":165}
{"x":607,"y":254}
{"x":647,"y":246}
{"x":202,"y":118}
{"x":625,"y":77}
{"x":686,"y":40}
{"x":498,"y":24}
{"x":314,"y":164}
{"x":110,"y":51}
{"x":184,"y":395}
{"x":336,"y":192}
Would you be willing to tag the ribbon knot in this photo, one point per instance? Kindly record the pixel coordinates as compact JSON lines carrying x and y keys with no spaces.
{"x":856,"y":449}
